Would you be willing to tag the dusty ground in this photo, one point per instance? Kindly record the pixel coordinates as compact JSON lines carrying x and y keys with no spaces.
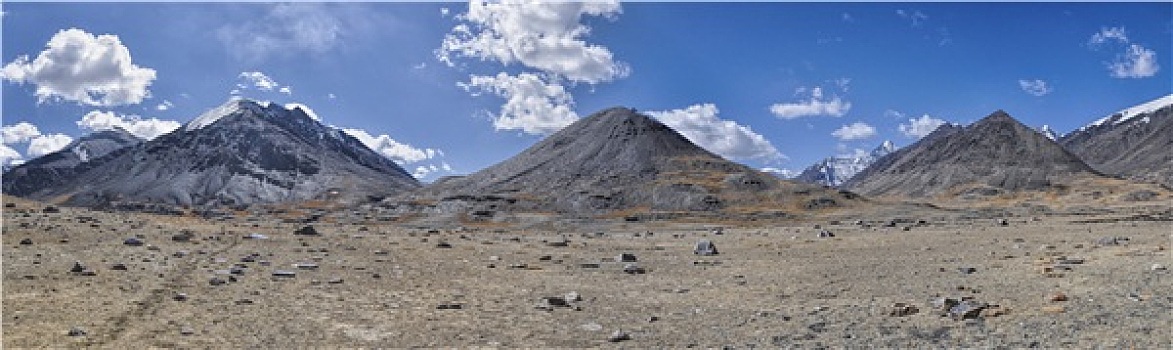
{"x":771,"y":286}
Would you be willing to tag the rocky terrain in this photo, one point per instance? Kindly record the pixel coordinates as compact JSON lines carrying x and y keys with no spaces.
{"x":996,"y":155}
{"x":834,"y":171}
{"x":1133,"y":143}
{"x":894,"y":276}
{"x":243,"y":152}
{"x":58,"y":168}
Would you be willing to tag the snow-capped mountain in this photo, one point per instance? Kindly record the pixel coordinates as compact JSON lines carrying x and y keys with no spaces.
{"x":50,"y":169}
{"x":1048,"y":132}
{"x":242,"y":152}
{"x":834,"y":171}
{"x":780,"y":173}
{"x":1133,"y":143}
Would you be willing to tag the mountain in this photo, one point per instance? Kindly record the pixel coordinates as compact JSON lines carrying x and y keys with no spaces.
{"x":992,"y":156}
{"x":52,"y":169}
{"x":1048,"y":132}
{"x":612,"y":160}
{"x":243,"y":152}
{"x":1134,"y":143}
{"x":834,"y":171}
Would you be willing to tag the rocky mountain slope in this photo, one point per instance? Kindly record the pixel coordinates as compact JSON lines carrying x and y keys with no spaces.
{"x":52,"y":169}
{"x":992,"y":156}
{"x":834,"y":171}
{"x":617,"y":159}
{"x":1134,"y":143}
{"x":243,"y":152}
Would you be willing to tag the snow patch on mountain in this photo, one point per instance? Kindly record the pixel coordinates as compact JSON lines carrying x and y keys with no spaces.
{"x":834,"y":171}
{"x":1128,"y":113}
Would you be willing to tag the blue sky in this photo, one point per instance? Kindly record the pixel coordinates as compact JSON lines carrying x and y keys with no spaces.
{"x":445,"y":90}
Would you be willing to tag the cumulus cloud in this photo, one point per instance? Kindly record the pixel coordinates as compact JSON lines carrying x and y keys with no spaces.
{"x":1036,"y":87}
{"x":9,"y":156}
{"x":423,"y":171}
{"x":147,"y":129}
{"x":533,"y":104}
{"x":19,"y":133}
{"x":164,"y":106}
{"x":290,"y":29}
{"x":855,"y":131}
{"x":547,"y":39}
{"x":399,"y":152}
{"x":700,"y":124}
{"x":1136,"y":61}
{"x":286,"y":90}
{"x":816,"y":105}
{"x":259,"y":80}
{"x":84,"y":68}
{"x":45,"y":144}
{"x":920,"y":127}
{"x":546,"y":36}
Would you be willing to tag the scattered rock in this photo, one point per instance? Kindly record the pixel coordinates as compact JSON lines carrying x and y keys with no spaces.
{"x":825,"y":234}
{"x":51,"y":210}
{"x":133,"y":241}
{"x":967,"y":270}
{"x":633,"y":269}
{"x":183,"y":236}
{"x":443,"y":245}
{"x":1057,"y":296}
{"x":118,"y":267}
{"x":180,"y":297}
{"x":305,"y":266}
{"x":591,"y":327}
{"x":626,"y":257}
{"x":901,"y":310}
{"x":449,"y":306}
{"x":1054,"y":309}
{"x":216,"y":281}
{"x":307,"y":230}
{"x":994,"y":311}
{"x":186,"y":331}
{"x":335,"y":280}
{"x":26,"y":241}
{"x":256,"y":236}
{"x":77,"y":331}
{"x":573,"y":297}
{"x":618,"y":336}
{"x":1158,"y":267}
{"x":563,"y":242}
{"x":705,"y":247}
{"x":284,"y":273}
{"x":967,"y":309}
{"x":1110,"y":240}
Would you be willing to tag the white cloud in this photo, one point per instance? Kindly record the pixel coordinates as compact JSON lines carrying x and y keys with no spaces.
{"x":309,"y":112}
{"x":19,"y":133}
{"x":546,"y":36}
{"x":164,"y":106}
{"x":147,"y":129}
{"x":532,"y":103}
{"x":1136,"y":62}
{"x":423,"y":171}
{"x":814,"y":106}
{"x":45,"y":144}
{"x":78,"y":66}
{"x":401,"y":153}
{"x":855,"y":131}
{"x":920,"y":127}
{"x":331,"y":96}
{"x":9,"y":156}
{"x":1036,"y":87}
{"x":287,"y":30}
{"x":259,"y":80}
{"x":1106,"y":34}
{"x":915,"y":17}
{"x":699,"y":123}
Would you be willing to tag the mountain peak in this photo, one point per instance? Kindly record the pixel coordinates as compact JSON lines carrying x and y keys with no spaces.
{"x":234,"y":105}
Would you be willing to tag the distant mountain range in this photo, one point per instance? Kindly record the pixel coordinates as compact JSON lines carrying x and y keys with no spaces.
{"x":243,"y":152}
{"x":618,"y":159}
{"x":1135,"y":143}
{"x":992,"y":156}
{"x":834,"y":171}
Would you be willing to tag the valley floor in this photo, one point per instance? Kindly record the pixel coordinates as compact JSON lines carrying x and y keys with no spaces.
{"x":1051,"y":281}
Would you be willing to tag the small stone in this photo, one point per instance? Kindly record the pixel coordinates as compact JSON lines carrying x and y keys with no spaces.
{"x":558,"y":242}
{"x":994,"y":311}
{"x":307,"y":230}
{"x":591,"y":327}
{"x":118,"y":267}
{"x":216,"y":281}
{"x":133,"y":242}
{"x":633,"y":269}
{"x":183,"y":236}
{"x":1158,"y":267}
{"x":284,"y":273}
{"x":77,"y":332}
{"x":77,"y":267}
{"x":901,"y":310}
{"x":1111,"y":240}
{"x":705,"y":247}
{"x":967,"y":309}
{"x":305,"y":266}
{"x":186,"y":331}
{"x":1057,"y":296}
{"x":573,"y":297}
{"x":626,"y":257}
{"x":449,"y":306}
{"x":26,"y":241}
{"x":825,"y":234}
{"x":256,"y":236}
{"x":443,"y":245}
{"x":1054,"y":309}
{"x":618,"y":336}
{"x":967,"y":270}
{"x":180,"y":297}
{"x":336,"y":280}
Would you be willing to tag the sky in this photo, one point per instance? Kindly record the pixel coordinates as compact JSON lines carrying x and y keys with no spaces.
{"x":451,"y":88}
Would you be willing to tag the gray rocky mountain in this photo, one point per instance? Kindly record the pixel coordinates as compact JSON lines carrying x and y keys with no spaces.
{"x":1134,"y":143}
{"x":616,"y":159}
{"x":992,"y":156}
{"x":243,"y":152}
{"x":834,"y":171}
{"x":52,"y":169}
